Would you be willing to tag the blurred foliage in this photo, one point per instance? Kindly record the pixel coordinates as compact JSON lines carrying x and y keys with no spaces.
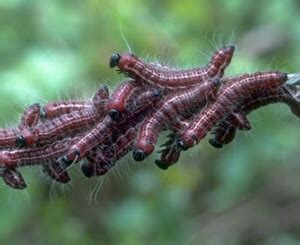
{"x":245,"y":193}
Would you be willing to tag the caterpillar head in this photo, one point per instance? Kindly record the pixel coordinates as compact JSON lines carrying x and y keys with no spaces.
{"x":14,"y":179}
{"x":124,"y":62}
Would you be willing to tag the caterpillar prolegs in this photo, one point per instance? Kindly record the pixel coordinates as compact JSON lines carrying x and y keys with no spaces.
{"x":102,"y":158}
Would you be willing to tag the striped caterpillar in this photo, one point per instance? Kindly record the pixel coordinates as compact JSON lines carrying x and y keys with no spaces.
{"x":226,"y":130}
{"x":228,"y":97}
{"x":54,"y":109}
{"x":105,"y":128}
{"x":155,"y":76}
{"x":65,"y":124}
{"x":46,"y":156}
{"x":170,"y":108}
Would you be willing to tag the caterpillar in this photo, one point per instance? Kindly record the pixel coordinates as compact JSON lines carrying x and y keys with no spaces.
{"x":105,"y":128}
{"x":170,"y":108}
{"x":226,"y":130}
{"x":228,"y":96}
{"x":58,"y":128}
{"x":55,"y":109}
{"x":45,"y":156}
{"x":32,"y":156}
{"x":70,"y":123}
{"x":135,"y":68}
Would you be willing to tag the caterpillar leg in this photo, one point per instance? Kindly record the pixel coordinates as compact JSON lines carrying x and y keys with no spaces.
{"x":54,"y":171}
{"x":102,"y":159}
{"x":92,"y":169}
{"x":241,"y":120}
{"x":169,"y":156}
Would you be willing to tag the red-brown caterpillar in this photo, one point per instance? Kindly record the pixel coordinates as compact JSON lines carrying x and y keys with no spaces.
{"x":225,"y":131}
{"x":58,"y":128}
{"x":46,"y":156}
{"x":104,"y":129}
{"x":55,"y":109}
{"x":33,"y":156}
{"x":135,"y":68}
{"x":70,"y":123}
{"x":228,"y":97}
{"x":170,"y":108}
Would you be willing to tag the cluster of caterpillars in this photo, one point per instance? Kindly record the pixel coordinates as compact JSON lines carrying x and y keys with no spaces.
{"x":98,"y":132}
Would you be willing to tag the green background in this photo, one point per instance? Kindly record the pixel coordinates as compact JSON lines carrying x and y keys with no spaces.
{"x":246,"y":193}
